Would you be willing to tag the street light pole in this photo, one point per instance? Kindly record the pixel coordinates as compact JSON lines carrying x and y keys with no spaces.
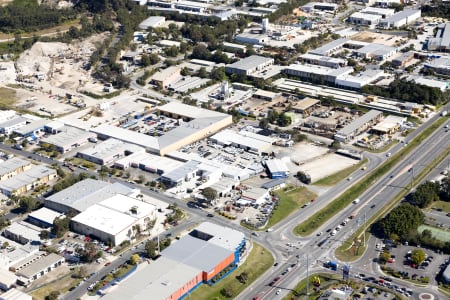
{"x":307,"y":275}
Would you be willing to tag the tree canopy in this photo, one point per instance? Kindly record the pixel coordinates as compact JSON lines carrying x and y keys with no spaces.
{"x":411,"y":218}
{"x":426,"y":194}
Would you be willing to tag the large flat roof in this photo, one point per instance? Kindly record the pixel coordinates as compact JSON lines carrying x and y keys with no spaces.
{"x":276,"y":165}
{"x":26,"y":230}
{"x":250,"y":62}
{"x":26,"y":177}
{"x":68,"y":136}
{"x":39,"y":265}
{"x":323,"y":50}
{"x":401,"y":15}
{"x":110,"y":148}
{"x":10,"y":165}
{"x":197,"y":253}
{"x":367,"y":117}
{"x":12,"y":122}
{"x":87,"y":192}
{"x":228,"y":137}
{"x":222,"y":236}
{"x":180,"y":172}
{"x":45,"y":214}
{"x":32,"y":126}
{"x":115,"y":214}
{"x":15,"y":294}
{"x":160,"y":279}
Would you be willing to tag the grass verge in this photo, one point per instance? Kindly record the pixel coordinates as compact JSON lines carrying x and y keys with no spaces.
{"x":320,"y":217}
{"x":290,"y":200}
{"x":445,"y":206}
{"x":7,"y":98}
{"x":343,"y":252}
{"x":62,"y":285}
{"x":258,"y":261}
{"x":338,"y":176}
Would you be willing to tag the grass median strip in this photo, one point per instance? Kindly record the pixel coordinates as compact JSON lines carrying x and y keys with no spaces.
{"x":345,"y":252}
{"x":258,"y":261}
{"x":320,"y":217}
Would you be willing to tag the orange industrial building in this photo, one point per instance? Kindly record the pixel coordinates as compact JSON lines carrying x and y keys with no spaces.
{"x":197,"y":258}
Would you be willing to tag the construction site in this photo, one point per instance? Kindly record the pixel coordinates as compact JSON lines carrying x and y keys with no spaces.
{"x":56,"y":71}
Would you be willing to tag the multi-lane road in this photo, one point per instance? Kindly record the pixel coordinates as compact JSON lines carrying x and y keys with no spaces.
{"x":302,"y":249}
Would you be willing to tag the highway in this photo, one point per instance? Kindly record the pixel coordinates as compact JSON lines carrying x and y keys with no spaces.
{"x":379,"y":195}
{"x":295,"y":257}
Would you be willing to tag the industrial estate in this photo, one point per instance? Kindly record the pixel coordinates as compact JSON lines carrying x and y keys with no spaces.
{"x":203,"y":149}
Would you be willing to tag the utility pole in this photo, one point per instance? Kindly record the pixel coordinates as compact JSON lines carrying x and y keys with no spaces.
{"x":307,"y":275}
{"x":364,"y":231}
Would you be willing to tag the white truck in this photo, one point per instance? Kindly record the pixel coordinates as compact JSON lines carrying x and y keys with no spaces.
{"x":356,"y":201}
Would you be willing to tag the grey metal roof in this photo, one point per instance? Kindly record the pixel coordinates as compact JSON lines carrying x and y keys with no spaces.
{"x":197,"y":253}
{"x":13,"y":122}
{"x":222,"y":236}
{"x":353,"y":126}
{"x":68,"y":137}
{"x":276,"y":165}
{"x":273,"y":183}
{"x":374,"y":48}
{"x":181,"y":172}
{"x":12,"y":164}
{"x":39,"y":265}
{"x":250,"y":62}
{"x":88,"y":192}
{"x":25,"y":178}
{"x":34,"y":125}
{"x":160,"y":279}
{"x":323,"y":50}
{"x":401,"y":15}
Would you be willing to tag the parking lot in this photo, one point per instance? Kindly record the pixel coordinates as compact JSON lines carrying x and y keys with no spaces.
{"x":402,"y":264}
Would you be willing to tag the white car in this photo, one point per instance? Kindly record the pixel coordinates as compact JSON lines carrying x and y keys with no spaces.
{"x":278,"y":291}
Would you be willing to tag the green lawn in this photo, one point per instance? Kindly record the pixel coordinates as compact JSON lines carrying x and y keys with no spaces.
{"x":336,"y":177}
{"x":438,"y":233}
{"x":445,"y":206}
{"x":258,"y":261}
{"x":291,"y":198}
{"x":7,"y":98}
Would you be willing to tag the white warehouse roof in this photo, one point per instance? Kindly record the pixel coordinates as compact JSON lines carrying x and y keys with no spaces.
{"x":114,"y":215}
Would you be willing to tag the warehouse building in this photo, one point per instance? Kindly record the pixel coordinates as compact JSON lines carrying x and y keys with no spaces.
{"x":359,"y":125}
{"x":441,"y":41}
{"x":86,"y":193}
{"x":13,"y":166}
{"x":317,"y":74}
{"x":196,"y":258}
{"x":376,"y":51}
{"x":364,"y":19}
{"x":147,"y":162}
{"x":7,"y":115}
{"x":356,"y":82}
{"x":183,"y":173}
{"x":152,"y":22}
{"x":383,"y":12}
{"x":30,"y":271}
{"x":255,"y":195}
{"x":44,"y":217}
{"x":69,"y":138}
{"x":8,"y":126}
{"x":277,"y":168}
{"x":306,"y":106}
{"x":325,"y":61}
{"x":32,"y":128}
{"x":389,"y":125}
{"x":311,"y":6}
{"x":114,"y":220}
{"x":403,"y":59}
{"x":402,"y":18}
{"x":195,"y":124}
{"x":165,"y":77}
{"x":330,"y":48}
{"x":251,"y":142}
{"x":249,"y":65}
{"x":15,"y":294}
{"x":108,"y":151}
{"x":439,"y":65}
{"x":7,"y":280}
{"x":27,"y":180}
{"x":23,"y":233}
{"x":251,"y":38}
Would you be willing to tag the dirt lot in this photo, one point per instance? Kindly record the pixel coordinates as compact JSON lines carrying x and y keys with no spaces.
{"x":327,"y":165}
{"x":48,"y":72}
{"x":371,"y":37}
